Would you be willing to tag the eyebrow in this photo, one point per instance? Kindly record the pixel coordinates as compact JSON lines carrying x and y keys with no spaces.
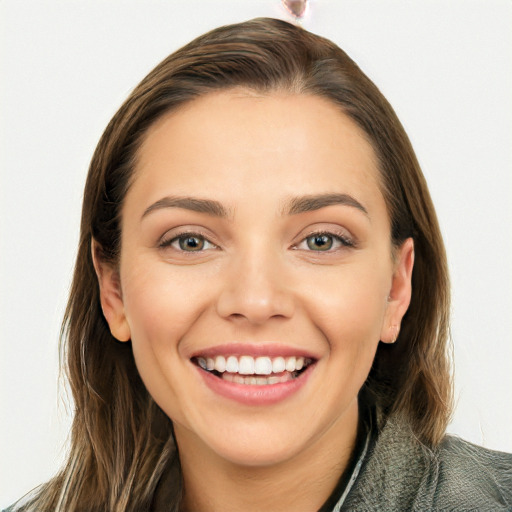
{"x":294,"y":206}
{"x":310,"y":203}
{"x":194,"y":204}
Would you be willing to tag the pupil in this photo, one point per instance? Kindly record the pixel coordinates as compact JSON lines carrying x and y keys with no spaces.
{"x":320,"y":242}
{"x":191,"y":243}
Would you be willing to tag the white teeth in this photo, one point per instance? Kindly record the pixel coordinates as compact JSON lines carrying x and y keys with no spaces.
{"x":232,"y":364}
{"x":278,"y":365}
{"x":256,"y":381}
{"x":220,"y":364}
{"x":246,"y":365}
{"x":290,"y":364}
{"x":263,"y":366}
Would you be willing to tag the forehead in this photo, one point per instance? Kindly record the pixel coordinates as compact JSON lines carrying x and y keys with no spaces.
{"x":234,"y":142}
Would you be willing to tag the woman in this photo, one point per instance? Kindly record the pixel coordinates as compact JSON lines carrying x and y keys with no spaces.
{"x":259,"y":313}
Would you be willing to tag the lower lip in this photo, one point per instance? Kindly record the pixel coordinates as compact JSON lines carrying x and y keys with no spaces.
{"x":249,"y":394}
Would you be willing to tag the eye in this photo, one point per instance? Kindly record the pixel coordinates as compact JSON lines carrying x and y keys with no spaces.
{"x":324,"y":242}
{"x":188,"y":242}
{"x":320,"y":242}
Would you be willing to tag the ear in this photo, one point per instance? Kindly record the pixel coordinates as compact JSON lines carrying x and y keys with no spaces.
{"x":399,"y":296}
{"x":110,"y":295}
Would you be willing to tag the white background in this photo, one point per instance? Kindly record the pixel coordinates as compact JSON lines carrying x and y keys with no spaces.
{"x":66,"y":66}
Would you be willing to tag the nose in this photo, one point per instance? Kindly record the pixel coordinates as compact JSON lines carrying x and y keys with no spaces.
{"x":256,"y":290}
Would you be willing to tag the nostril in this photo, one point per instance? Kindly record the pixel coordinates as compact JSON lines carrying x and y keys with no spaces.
{"x":256,"y":295}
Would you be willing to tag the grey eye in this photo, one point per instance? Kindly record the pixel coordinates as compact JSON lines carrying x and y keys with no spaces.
{"x":191,"y":243}
{"x":320,"y":242}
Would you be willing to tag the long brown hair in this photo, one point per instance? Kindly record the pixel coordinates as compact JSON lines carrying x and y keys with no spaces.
{"x":122,"y":446}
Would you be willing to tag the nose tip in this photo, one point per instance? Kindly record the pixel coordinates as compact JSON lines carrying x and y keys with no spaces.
{"x":255,"y":295}
{"x":255,"y":311}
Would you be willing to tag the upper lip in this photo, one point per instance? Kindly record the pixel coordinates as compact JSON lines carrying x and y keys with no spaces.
{"x":254,"y":349}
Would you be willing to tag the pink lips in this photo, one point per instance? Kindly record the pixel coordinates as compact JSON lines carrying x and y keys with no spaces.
{"x":253,"y":394}
{"x":249,"y":394}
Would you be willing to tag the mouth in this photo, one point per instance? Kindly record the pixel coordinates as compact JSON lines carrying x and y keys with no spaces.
{"x":254,"y":371}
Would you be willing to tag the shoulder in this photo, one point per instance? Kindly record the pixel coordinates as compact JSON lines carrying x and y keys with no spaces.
{"x":24,"y":504}
{"x":470,"y":474}
{"x":13,"y":508}
{"x":400,"y":473}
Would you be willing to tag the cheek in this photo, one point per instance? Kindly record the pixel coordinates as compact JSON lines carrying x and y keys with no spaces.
{"x":162,"y":307}
{"x":160,"y":304}
{"x":350,"y":311}
{"x":348,"y":314}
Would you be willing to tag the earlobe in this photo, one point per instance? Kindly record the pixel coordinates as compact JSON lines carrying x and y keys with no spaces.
{"x":400,"y":293}
{"x":110,"y":295}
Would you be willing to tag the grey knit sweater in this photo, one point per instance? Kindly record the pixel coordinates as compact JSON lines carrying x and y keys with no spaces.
{"x":400,"y":474}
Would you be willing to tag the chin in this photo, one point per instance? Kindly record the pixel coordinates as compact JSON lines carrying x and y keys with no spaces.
{"x":259,"y":454}
{"x":246,"y":443}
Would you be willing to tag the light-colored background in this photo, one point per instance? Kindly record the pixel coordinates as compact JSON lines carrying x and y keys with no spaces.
{"x":66,"y":66}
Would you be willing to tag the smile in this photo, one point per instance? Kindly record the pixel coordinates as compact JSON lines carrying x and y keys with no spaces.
{"x":244,"y":377}
{"x":256,"y":371}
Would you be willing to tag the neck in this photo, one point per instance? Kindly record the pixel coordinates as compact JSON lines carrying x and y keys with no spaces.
{"x":301,"y":483}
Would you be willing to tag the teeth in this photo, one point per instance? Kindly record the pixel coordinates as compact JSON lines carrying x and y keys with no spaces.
{"x":248,"y":365}
{"x":290,"y":364}
{"x":220,"y":364}
{"x":263,"y":366}
{"x":256,"y":381}
{"x":232,"y":364}
{"x":278,"y":365}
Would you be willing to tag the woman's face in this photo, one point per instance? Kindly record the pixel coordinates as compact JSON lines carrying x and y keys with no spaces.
{"x":256,"y":275}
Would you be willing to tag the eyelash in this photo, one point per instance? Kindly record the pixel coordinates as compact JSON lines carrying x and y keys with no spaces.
{"x":343,"y":240}
{"x":183,"y":236}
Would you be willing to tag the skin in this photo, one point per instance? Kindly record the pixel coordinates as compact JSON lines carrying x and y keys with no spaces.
{"x":257,"y":281}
